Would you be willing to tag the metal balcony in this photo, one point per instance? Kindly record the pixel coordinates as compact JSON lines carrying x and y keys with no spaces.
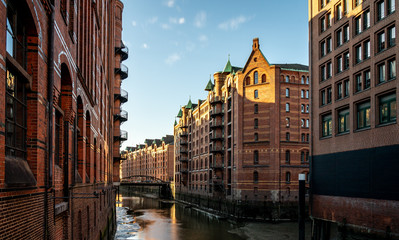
{"x":217,"y":149}
{"x":122,"y":96}
{"x":183,"y":134}
{"x":121,"y":137}
{"x":123,"y":71}
{"x":122,"y":116}
{"x":217,"y":165}
{"x":183,"y":126}
{"x":216,"y":112}
{"x":123,"y":51}
{"x":183,"y":150}
{"x":217,"y":137}
{"x":184,"y":171}
{"x":216,"y":100}
{"x":183,"y":159}
{"x":217,"y":124}
{"x":183,"y":142}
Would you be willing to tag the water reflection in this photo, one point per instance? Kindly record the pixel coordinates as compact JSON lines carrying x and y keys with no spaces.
{"x":150,"y":219}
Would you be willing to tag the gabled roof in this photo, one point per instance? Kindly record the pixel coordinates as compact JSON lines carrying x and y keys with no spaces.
{"x":293,"y":67}
{"x":168,"y":139}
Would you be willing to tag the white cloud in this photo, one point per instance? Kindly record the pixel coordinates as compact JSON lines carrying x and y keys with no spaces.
{"x":200,"y":19}
{"x":181,"y":20}
{"x":172,"y":59}
{"x":203,"y":38}
{"x":165,"y":26}
{"x":153,"y":20}
{"x":134,"y":23}
{"x":145,"y":46}
{"x":170,"y":3}
{"x":233,"y":23}
{"x":177,"y":20}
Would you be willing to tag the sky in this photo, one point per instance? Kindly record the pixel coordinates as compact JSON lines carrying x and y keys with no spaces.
{"x":176,"y":45}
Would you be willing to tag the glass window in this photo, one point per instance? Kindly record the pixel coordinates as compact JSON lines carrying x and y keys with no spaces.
{"x":387,"y":108}
{"x":307,"y":93}
{"x":256,"y":157}
{"x":329,"y":45}
{"x":367,"y":49}
{"x":256,"y":137}
{"x":287,"y":107}
{"x":381,"y":73}
{"x":329,"y":70}
{"x":380,"y":41}
{"x":358,"y":25}
{"x":391,"y":36}
{"x":307,"y":80}
{"x":307,"y":108}
{"x":287,"y":92}
{"x":363,"y":115}
{"x":303,"y":80}
{"x":287,"y":177}
{"x":329,"y":20}
{"x":287,"y":136}
{"x":367,"y":79}
{"x":323,"y":73}
{"x":339,"y":90}
{"x":339,"y":64}
{"x":346,"y":88}
{"x":302,"y":93}
{"x":346,"y":60}
{"x":287,"y":156}
{"x":339,"y":37}
{"x":329,"y":95}
{"x":339,"y":11}
{"x":343,"y":121}
{"x":302,"y":108}
{"x":391,"y":69}
{"x":346,"y":33}
{"x":256,"y":94}
{"x":326,"y":126}
{"x":287,"y":122}
{"x":255,"y":123}
{"x":256,"y":108}
{"x":256,"y":177}
{"x":380,"y":10}
{"x":323,"y":97}
{"x":323,"y":24}
{"x":358,"y":53}
{"x":302,"y":122}
{"x":358,"y":83}
{"x":307,"y":123}
{"x":366,"y":21}
{"x":391,"y":6}
{"x":302,"y":157}
{"x":287,"y":79}
{"x":256,"y":77}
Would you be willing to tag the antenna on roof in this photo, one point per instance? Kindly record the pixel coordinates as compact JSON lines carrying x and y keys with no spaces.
{"x":229,"y":56}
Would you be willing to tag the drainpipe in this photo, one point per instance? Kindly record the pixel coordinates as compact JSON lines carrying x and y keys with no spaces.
{"x":50,"y":81}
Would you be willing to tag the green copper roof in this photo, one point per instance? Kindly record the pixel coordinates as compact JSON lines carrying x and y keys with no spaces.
{"x":209,"y":86}
{"x":180,"y":114}
{"x":153,"y":142}
{"x":189,"y":104}
{"x":175,"y":122}
{"x":228,"y":67}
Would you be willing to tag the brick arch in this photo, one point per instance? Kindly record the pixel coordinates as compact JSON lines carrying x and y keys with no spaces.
{"x":65,"y":100}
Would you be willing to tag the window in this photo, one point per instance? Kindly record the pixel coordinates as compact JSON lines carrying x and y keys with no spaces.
{"x":287,"y":107}
{"x":287,"y":79}
{"x":323,"y":73}
{"x":256,"y":177}
{"x":357,"y":2}
{"x":287,"y":136}
{"x":302,"y":122}
{"x":346,"y":33}
{"x":391,"y":6}
{"x":255,"y":123}
{"x":358,"y":25}
{"x":263,"y":78}
{"x":346,"y":88}
{"x":363,"y":115}
{"x":339,"y":64}
{"x":256,"y":94}
{"x":287,"y":122}
{"x":256,"y":157}
{"x":366,"y":19}
{"x":329,"y":70}
{"x":307,"y":80}
{"x":338,"y":9}
{"x":380,"y":10}
{"x":381,"y":73}
{"x":307,"y":108}
{"x":303,"y":137}
{"x":256,"y":137}
{"x":303,"y":80}
{"x":248,"y":81}
{"x":338,"y":35}
{"x":255,"y":77}
{"x":307,"y":94}
{"x":307,"y":123}
{"x":287,"y":156}
{"x":346,"y":60}
{"x":302,"y":93}
{"x":387,"y":108}
{"x":358,"y":82}
{"x":323,"y":48}
{"x":302,"y":108}
{"x":287,"y":92}
{"x":366,"y":49}
{"x":343,"y":120}
{"x":302,"y":156}
{"x":322,"y":24}
{"x":339,"y":90}
{"x":380,"y":41}
{"x":329,"y":44}
{"x":287,"y":177}
{"x":323,"y":97}
{"x":329,"y":95}
{"x":256,"y":109}
{"x":391,"y":36}
{"x":326,"y":125}
{"x":391,"y":69}
{"x":329,"y":20}
{"x":358,"y":53}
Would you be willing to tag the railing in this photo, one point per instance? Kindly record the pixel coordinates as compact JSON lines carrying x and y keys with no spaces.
{"x":183,"y":150}
{"x":123,"y":51}
{"x":217,"y":99}
{"x":183,"y":142}
{"x":215,"y":112}
{"x":123,"y":96}
{"x":183,"y":159}
{"x":183,"y":134}
{"x":122,"y":116}
{"x":123,"y":71}
{"x":216,"y":124}
{"x":218,"y":136}
{"x":217,"y":165}
{"x":217,"y":149}
{"x":122,"y":136}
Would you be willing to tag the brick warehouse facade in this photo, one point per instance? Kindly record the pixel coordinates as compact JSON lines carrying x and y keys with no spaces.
{"x":248,"y":140}
{"x":355,"y":142}
{"x":60,"y":77}
{"x":154,"y":158}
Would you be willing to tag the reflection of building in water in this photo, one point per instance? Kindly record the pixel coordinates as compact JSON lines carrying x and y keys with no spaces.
{"x":249,"y":139}
{"x":355,"y":144}
{"x":153,"y":158}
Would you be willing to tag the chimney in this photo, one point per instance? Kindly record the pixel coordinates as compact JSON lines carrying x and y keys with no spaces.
{"x":255,"y":45}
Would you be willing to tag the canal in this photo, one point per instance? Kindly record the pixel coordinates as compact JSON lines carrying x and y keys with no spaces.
{"x":143,"y":218}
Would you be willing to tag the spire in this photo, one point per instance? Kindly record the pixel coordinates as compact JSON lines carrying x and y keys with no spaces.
{"x":175,"y":122}
{"x":209,"y":86}
{"x":189,"y":104}
{"x":180,"y":114}
{"x":228,"y":67}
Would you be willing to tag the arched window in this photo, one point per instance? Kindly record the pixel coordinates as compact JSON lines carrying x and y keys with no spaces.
{"x":255,"y":77}
{"x":256,"y":177}
{"x":255,"y":123}
{"x":256,"y":157}
{"x":302,"y":157}
{"x":287,"y":136}
{"x":307,"y":93}
{"x":302,"y":108}
{"x":256,"y":94}
{"x":263,"y":78}
{"x":287,"y":107}
{"x":287,"y":156}
{"x":287,"y":122}
{"x":256,"y":108}
{"x":307,"y":108}
{"x":287,"y":79}
{"x":247,"y":81}
{"x":307,"y":80}
{"x":307,"y":137}
{"x":256,"y":137}
{"x":287,"y":92}
{"x":307,"y":123}
{"x":288,"y":177}
{"x":303,"y":80}
{"x":302,"y":93}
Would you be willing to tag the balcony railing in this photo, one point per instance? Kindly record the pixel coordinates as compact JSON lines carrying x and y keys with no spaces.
{"x":183,"y":150}
{"x":217,"y":165}
{"x":184,"y":134}
{"x":122,"y":136}
{"x":217,"y":136}
{"x":123,"y":71}
{"x":123,"y":51}
{"x":215,"y":112}
{"x":218,"y":149}
{"x":183,"y":142}
{"x":122,"y":116}
{"x":216,"y":99}
{"x":123,"y":96}
{"x":216,"y":124}
{"x":183,"y":159}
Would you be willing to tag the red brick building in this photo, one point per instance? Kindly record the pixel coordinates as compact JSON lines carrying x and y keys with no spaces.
{"x":60,"y":76}
{"x":355,"y":143}
{"x":154,"y":158}
{"x":249,"y":139}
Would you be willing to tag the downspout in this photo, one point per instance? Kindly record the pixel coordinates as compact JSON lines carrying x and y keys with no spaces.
{"x":50,"y":84}
{"x":311,"y":112}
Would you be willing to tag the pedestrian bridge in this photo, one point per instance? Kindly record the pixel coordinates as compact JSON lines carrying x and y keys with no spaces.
{"x":147,"y":184}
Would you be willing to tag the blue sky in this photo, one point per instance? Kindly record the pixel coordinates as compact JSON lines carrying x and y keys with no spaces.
{"x":174,"y":46}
